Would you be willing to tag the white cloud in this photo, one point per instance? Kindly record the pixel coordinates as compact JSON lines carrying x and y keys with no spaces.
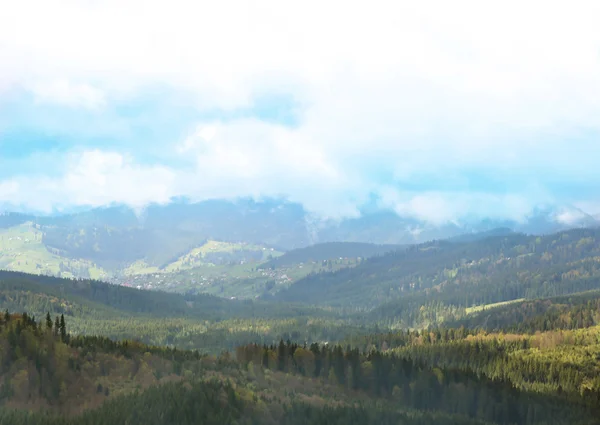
{"x":592,"y":207}
{"x":569,"y":216}
{"x":92,"y":178}
{"x":203,"y":134}
{"x":469,"y":53}
{"x":427,"y":88}
{"x":8,"y":189}
{"x":444,"y":207}
{"x":63,"y":92}
{"x":251,"y":157}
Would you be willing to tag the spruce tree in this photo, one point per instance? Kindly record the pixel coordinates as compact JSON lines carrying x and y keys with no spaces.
{"x":63,"y":328}
{"x":48,"y":321}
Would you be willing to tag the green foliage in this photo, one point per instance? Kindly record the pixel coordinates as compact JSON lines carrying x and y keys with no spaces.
{"x":471,"y":273}
{"x":445,"y":376}
{"x":329,"y":251}
{"x":576,"y":311}
{"x":59,"y":378}
{"x":561,"y":364}
{"x":218,"y":403}
{"x":477,"y":380}
{"x":442,"y":281}
{"x":202,"y":322}
{"x":500,"y":332}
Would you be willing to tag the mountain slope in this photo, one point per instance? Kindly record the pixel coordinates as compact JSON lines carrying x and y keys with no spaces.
{"x":330,"y":251}
{"x":113,"y":238}
{"x":461,"y":274}
{"x":208,"y":323}
{"x":22,"y":249}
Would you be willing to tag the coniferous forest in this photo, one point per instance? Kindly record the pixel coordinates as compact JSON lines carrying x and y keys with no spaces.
{"x":521,"y":345}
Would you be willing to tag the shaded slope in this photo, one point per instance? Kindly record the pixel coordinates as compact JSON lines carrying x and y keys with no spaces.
{"x":469,"y":273}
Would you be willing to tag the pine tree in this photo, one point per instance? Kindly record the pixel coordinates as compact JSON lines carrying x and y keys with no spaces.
{"x":63,"y":328}
{"x":48,"y":321}
{"x":56,"y":326}
{"x":281,"y":356}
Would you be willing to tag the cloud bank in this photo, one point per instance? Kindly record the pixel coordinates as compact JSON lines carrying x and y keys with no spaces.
{"x":439,"y":110}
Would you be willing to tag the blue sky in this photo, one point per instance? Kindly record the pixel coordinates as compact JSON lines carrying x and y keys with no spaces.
{"x":437,"y":111}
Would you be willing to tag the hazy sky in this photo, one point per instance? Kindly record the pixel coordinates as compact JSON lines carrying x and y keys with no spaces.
{"x":436,"y":109}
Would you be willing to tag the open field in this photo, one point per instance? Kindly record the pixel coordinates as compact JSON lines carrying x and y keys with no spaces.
{"x":477,"y":309}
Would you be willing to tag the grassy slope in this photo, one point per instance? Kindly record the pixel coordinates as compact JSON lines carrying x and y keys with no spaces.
{"x":485,"y":307}
{"x":22,"y":249}
{"x":226,"y":269}
{"x":247,"y":280}
{"x":196,"y":258}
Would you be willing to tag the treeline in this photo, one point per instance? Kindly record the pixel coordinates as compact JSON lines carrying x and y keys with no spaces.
{"x":100,"y":295}
{"x":21,"y":291}
{"x":213,"y":338}
{"x":412,"y":382}
{"x":577,"y":311}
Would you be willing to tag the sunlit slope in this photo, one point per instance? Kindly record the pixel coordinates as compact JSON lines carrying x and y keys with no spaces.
{"x":22,"y":249}
{"x":211,"y":253}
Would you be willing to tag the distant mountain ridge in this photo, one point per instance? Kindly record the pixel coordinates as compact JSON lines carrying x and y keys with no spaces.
{"x":328,"y":251}
{"x":116,"y":236}
{"x":463,"y":273}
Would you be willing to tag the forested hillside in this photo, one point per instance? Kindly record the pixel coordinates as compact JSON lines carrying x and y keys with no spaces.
{"x":429,"y":283}
{"x":329,"y":251}
{"x":502,"y":330}
{"x":112,"y":241}
{"x":140,"y":258}
{"x":204,"y":322}
{"x":568,"y":312}
{"x":421,"y":378}
{"x":420,"y":286}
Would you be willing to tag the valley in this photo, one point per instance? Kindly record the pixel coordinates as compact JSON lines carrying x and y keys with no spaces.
{"x":308,"y":213}
{"x":228,"y":269}
{"x":499,"y":328}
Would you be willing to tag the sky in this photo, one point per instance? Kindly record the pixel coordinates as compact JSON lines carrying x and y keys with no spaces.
{"x":437,"y":110}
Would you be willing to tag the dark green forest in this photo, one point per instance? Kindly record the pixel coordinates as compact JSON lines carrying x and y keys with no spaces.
{"x":454,"y":377}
